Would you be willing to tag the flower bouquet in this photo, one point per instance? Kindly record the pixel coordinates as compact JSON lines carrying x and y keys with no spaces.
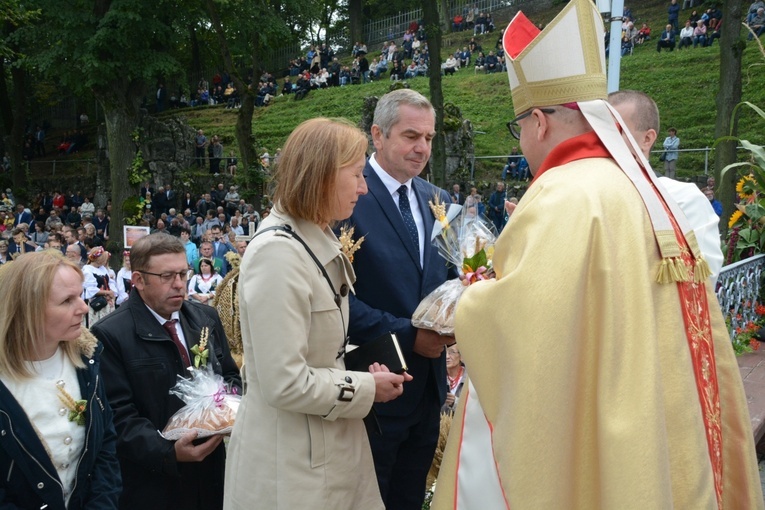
{"x":210,"y":406}
{"x":467,"y":241}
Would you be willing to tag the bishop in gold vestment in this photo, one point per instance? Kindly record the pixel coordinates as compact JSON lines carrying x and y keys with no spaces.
{"x":594,"y":384}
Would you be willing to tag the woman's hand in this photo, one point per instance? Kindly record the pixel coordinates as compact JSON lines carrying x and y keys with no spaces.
{"x":388,"y":385}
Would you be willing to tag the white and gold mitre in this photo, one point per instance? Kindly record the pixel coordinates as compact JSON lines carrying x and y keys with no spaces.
{"x":564,"y":63}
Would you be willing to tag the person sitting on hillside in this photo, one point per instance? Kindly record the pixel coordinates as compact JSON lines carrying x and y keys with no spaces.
{"x":667,"y":39}
{"x":492,"y":63}
{"x":490,"y":27}
{"x":373,"y":70}
{"x":231,"y":163}
{"x":480,"y":24}
{"x":473,"y":46}
{"x":631,"y":32}
{"x":398,"y":71}
{"x":217,"y":95}
{"x":464,"y":57}
{"x":422,"y":67}
{"x":449,"y":66}
{"x":757,"y":24}
{"x":407,"y":46}
{"x":753,"y":10}
{"x":626,"y":45}
{"x":302,"y":87}
{"x":392,"y":50}
{"x":714,"y":33}
{"x":232,"y":96}
{"x":287,"y":86}
{"x":411,"y":71}
{"x":382,"y":65}
{"x":644,"y":34}
{"x":345,"y":76}
{"x":416,"y":44}
{"x":355,"y":72}
{"x":458,"y":23}
{"x":700,"y":34}
{"x":204,"y":97}
{"x":686,"y":36}
{"x":480,"y":63}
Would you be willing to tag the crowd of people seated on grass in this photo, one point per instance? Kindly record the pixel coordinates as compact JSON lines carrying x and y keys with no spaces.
{"x":224,"y":91}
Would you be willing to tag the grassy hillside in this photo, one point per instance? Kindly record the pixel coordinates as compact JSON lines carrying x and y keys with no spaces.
{"x":683,"y":83}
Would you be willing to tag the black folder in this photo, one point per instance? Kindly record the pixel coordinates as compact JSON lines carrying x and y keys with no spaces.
{"x":384,"y":350}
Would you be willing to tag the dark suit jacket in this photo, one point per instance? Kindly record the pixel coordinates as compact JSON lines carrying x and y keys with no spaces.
{"x":143,"y":192}
{"x":140,"y":364}
{"x":159,"y":202}
{"x":460,"y":198}
{"x":23,"y":217}
{"x":219,"y":252}
{"x":171,"y":200}
{"x":390,"y":284}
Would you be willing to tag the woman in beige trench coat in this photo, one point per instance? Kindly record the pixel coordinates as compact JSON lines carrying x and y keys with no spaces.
{"x":299,"y":441}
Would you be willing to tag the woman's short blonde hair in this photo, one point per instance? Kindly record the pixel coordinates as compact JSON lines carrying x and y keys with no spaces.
{"x":22,"y":316}
{"x":310,"y":160}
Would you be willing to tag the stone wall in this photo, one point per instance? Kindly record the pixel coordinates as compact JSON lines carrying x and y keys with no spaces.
{"x":167,"y":144}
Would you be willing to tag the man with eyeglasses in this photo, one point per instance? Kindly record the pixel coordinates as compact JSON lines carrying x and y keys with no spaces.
{"x":147,"y":346}
{"x":599,"y":254}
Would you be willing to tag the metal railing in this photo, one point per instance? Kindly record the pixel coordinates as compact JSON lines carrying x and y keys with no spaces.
{"x":738,"y":290}
{"x":394,"y":27}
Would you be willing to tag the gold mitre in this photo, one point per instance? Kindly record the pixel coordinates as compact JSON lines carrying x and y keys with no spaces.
{"x":564,"y":63}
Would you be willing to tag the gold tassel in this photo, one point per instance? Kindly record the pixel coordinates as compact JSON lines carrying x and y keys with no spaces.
{"x":673,"y":270}
{"x":682,"y":270}
{"x":702,"y":270}
{"x":663,"y":275}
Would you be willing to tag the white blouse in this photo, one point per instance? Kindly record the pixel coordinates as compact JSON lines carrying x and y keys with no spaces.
{"x":90,"y":285}
{"x":39,"y":397}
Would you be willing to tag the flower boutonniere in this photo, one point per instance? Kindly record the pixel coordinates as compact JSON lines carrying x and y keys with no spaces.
{"x":76,"y":407}
{"x":200,"y":351}
{"x":347,"y":244}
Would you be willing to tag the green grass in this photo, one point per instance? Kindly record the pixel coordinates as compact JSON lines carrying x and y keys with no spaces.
{"x":683,"y":83}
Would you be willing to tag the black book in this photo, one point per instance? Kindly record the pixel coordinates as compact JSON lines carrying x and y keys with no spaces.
{"x":384,"y":350}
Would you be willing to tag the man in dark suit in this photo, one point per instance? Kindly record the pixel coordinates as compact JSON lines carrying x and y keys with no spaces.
{"x":146,"y":188}
{"x":147,"y":345}
{"x":220,"y":242}
{"x":396,"y":268}
{"x":171,"y":199}
{"x":22,"y":216}
{"x":159,"y":201}
{"x":19,"y":245}
{"x":457,"y":196}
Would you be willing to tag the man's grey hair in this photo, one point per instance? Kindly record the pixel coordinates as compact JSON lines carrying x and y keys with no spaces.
{"x":386,"y":113}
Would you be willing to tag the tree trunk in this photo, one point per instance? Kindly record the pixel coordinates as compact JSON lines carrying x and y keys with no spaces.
{"x":445,"y":18}
{"x":731,"y":53}
{"x":6,"y":107}
{"x":121,"y":121}
{"x":355,"y":21}
{"x":196,"y":60}
{"x":244,"y":137}
{"x":18,"y":165}
{"x":433,"y":31}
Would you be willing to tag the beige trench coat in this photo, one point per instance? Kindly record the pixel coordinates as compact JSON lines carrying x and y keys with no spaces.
{"x":295,"y":445}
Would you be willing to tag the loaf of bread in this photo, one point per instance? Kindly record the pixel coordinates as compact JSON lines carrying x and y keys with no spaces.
{"x":217,"y":418}
{"x":436,"y":311}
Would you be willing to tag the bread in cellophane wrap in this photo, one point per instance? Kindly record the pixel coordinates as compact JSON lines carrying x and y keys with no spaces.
{"x":210,"y":408}
{"x":466,"y":240}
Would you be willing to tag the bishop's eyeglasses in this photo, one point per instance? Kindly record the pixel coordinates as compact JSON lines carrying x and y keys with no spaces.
{"x":515,"y":129}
